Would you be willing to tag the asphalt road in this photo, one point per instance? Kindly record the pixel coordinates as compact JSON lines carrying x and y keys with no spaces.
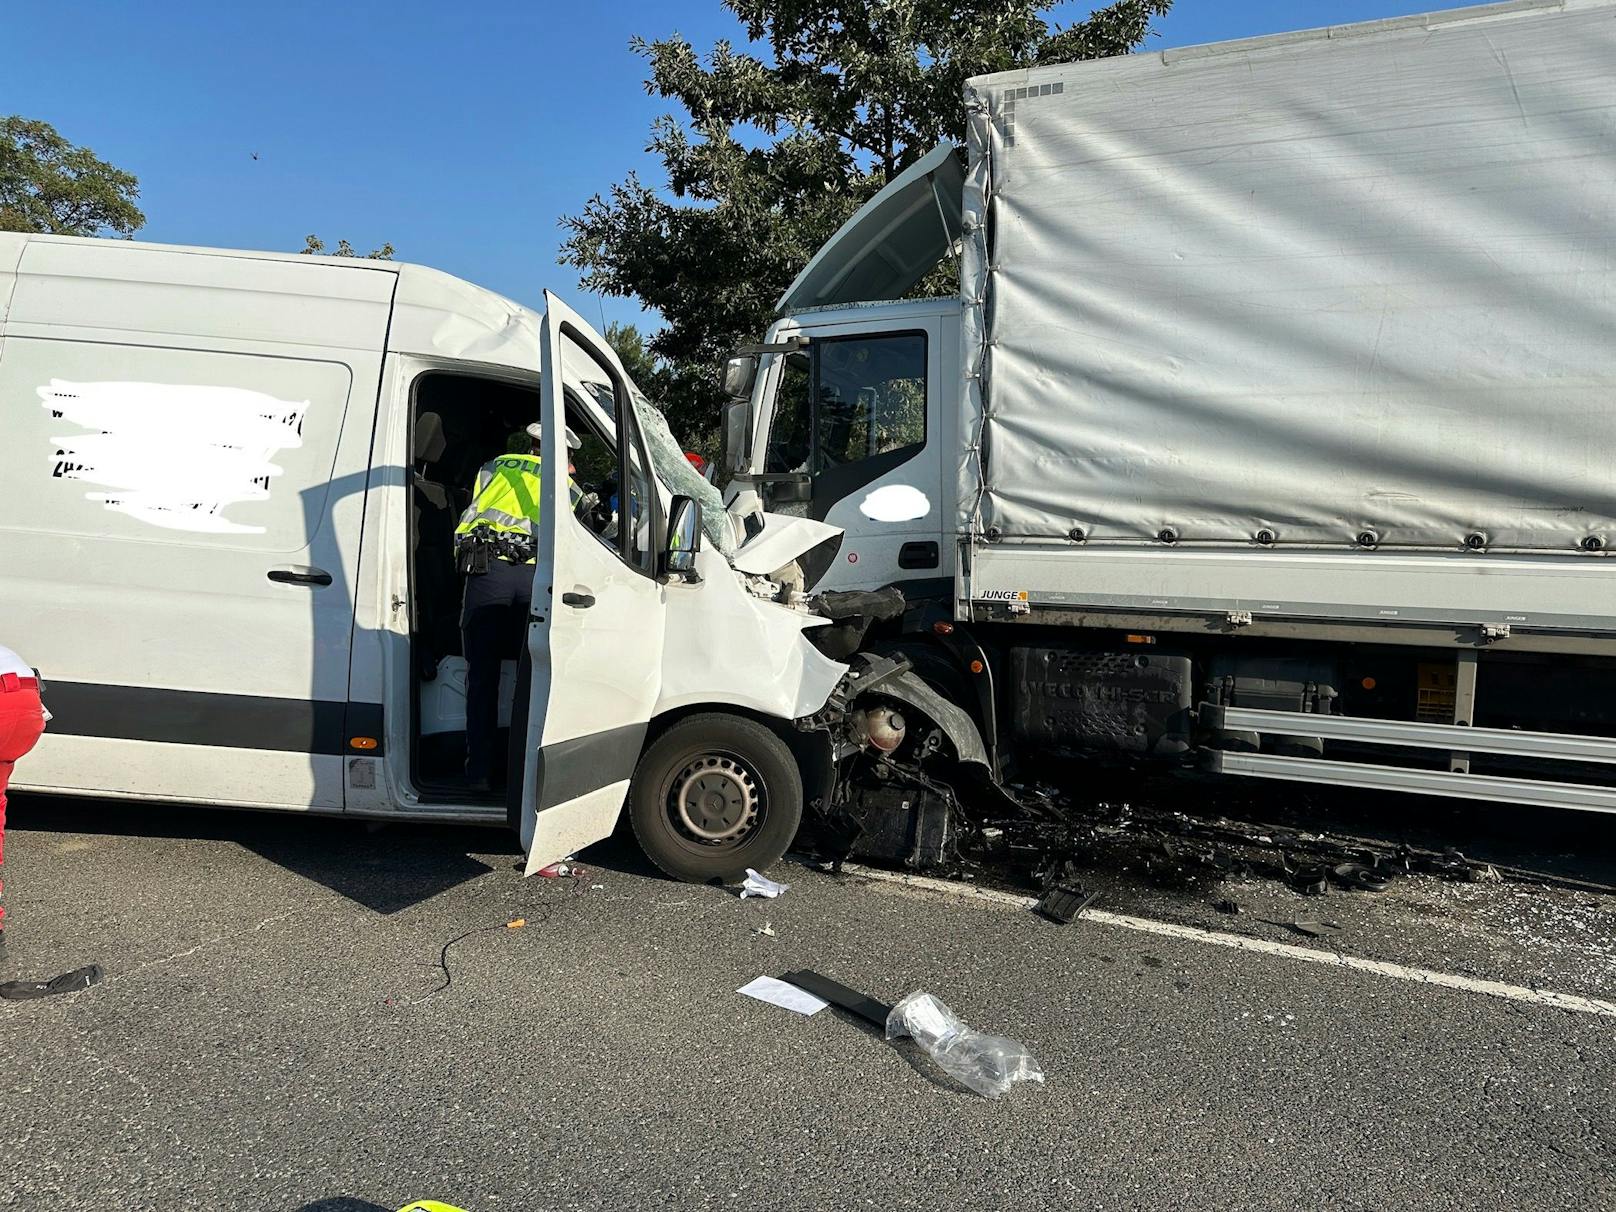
{"x":273,"y":1034}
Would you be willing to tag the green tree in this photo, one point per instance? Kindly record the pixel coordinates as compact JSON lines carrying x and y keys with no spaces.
{"x":313,"y":244}
{"x":49,"y":185}
{"x":628,"y":343}
{"x":776,"y":149}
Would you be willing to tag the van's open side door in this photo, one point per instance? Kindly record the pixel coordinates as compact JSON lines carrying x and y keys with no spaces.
{"x":596,"y":631}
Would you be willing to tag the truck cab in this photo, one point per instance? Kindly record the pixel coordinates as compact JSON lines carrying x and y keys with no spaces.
{"x":844,"y":411}
{"x":852,"y":413}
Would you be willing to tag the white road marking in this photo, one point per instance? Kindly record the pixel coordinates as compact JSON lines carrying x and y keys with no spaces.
{"x":955,"y":888}
{"x":1240,"y":942}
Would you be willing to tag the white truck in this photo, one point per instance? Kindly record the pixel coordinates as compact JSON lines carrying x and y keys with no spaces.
{"x":1272,"y":430}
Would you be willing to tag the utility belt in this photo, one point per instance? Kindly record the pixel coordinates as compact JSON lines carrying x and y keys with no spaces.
{"x":476,"y":547}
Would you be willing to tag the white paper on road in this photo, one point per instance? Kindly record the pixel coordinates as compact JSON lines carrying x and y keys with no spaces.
{"x":760,"y":885}
{"x":783,"y":994}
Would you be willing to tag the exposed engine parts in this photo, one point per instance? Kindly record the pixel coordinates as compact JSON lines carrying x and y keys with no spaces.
{"x":917,"y":753}
{"x":878,"y":727}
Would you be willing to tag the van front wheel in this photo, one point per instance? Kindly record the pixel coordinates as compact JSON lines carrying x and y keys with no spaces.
{"x":714,"y":795}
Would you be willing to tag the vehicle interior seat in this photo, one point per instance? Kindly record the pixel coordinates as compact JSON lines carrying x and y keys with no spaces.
{"x":435,"y":608}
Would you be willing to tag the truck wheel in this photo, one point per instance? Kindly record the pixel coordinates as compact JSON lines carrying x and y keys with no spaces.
{"x":714,"y":795}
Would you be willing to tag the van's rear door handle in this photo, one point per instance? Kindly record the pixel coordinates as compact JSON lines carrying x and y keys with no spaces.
{"x":299,"y":575}
{"x":583,"y":601}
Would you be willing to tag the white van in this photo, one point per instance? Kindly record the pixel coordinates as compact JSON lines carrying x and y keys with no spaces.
{"x":228,"y":485}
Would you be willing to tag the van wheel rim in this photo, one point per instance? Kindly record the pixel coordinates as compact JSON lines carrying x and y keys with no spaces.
{"x":714,"y":800}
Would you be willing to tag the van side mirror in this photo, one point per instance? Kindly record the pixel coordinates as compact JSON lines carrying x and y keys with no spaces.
{"x":740,"y":372}
{"x":737,"y":436}
{"x":678,"y":561}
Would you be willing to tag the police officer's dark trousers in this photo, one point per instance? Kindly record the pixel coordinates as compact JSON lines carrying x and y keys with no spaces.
{"x":493,"y":622}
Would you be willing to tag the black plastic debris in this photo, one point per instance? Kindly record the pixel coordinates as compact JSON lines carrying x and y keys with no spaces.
{"x":1059,"y":838}
{"x":67,"y":982}
{"x":1360,"y":878}
{"x":1309,"y":880}
{"x":867,"y":1008}
{"x":1225,"y":905}
{"x":1063,"y":903}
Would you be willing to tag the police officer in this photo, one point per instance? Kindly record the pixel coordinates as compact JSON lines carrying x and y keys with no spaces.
{"x":496,"y":547}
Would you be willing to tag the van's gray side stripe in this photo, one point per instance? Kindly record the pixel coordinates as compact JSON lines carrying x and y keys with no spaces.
{"x":196,"y":717}
{"x":572,"y":768}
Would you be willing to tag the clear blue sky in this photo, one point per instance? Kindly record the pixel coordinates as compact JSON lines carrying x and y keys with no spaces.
{"x":459,"y":131}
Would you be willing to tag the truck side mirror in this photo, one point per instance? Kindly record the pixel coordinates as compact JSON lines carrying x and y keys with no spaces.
{"x":678,"y":562}
{"x":740,"y":372}
{"x":737,"y":436}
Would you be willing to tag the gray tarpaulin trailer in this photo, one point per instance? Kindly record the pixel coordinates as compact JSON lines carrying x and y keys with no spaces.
{"x":1273,"y":430}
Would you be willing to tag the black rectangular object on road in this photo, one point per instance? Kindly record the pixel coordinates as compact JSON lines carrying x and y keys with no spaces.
{"x":871,"y":1011}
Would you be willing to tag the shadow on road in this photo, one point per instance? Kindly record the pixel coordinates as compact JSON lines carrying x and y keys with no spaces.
{"x":385,"y":867}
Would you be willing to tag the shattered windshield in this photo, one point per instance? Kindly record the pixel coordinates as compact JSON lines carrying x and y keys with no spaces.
{"x":674,"y":470}
{"x":667,"y":456}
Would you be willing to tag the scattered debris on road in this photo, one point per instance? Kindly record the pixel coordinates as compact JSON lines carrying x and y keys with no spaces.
{"x":68,"y":982}
{"x":867,"y":1008}
{"x":784,"y":994}
{"x":562,"y":870}
{"x":1056,"y":837}
{"x":986,"y":1064}
{"x":760,"y":885}
{"x":1063,"y":902}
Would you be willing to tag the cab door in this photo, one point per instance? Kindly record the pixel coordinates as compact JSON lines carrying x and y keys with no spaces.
{"x":854,"y":410}
{"x":595,"y":635}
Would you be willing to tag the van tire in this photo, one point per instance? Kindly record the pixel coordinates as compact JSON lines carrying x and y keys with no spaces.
{"x":714,"y":795}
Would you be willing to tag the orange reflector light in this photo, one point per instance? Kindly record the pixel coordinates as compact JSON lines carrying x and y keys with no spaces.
{"x":1369,"y":683}
{"x":363,"y":742}
{"x":1139,"y":639}
{"x":942,"y":627}
{"x":977,"y":667}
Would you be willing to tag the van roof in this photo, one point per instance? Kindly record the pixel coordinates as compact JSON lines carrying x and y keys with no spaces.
{"x":435,"y":314}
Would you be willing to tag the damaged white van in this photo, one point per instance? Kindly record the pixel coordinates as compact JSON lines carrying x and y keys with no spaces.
{"x":228,"y":489}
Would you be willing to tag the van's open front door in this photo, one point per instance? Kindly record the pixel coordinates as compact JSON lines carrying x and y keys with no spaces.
{"x":596,"y":632}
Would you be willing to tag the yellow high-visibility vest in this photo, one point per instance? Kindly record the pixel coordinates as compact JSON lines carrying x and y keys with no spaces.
{"x":506,"y":498}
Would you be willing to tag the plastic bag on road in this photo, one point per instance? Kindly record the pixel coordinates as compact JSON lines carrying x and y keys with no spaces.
{"x":760,"y":885}
{"x":987,"y":1064}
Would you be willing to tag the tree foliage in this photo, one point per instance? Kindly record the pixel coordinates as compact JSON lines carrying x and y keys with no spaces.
{"x":313,"y":245}
{"x":628,"y":343}
{"x":781,"y":141}
{"x":695,"y":430}
{"x":49,"y":185}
